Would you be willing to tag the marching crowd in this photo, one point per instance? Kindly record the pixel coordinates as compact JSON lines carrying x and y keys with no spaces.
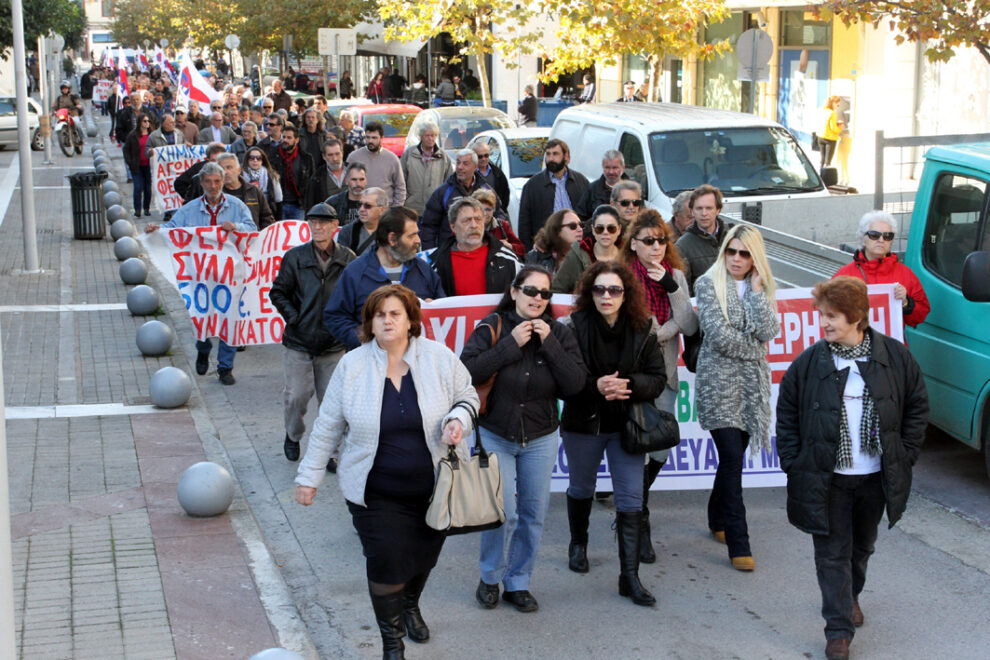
{"x":851,"y":410}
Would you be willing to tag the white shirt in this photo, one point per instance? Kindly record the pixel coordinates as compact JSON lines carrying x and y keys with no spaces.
{"x":742,"y":286}
{"x":852,"y":400}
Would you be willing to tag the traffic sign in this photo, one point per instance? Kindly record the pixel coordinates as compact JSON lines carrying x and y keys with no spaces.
{"x":163,"y":42}
{"x":753,"y":51}
{"x":232,"y":41}
{"x":337,"y":41}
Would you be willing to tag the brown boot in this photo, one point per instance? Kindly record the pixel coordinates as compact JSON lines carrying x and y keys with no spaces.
{"x":857,"y":614}
{"x":837,"y":649}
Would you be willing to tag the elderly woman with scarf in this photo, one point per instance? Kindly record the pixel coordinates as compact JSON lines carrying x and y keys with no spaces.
{"x":258,"y":172}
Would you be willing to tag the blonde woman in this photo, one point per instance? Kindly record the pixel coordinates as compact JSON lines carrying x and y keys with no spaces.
{"x":738,"y":313}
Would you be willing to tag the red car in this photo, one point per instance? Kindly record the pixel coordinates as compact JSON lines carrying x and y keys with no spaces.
{"x":395,"y":117}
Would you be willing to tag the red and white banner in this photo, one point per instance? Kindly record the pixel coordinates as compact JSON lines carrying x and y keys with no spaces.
{"x":167,"y":163}
{"x":192,"y":86}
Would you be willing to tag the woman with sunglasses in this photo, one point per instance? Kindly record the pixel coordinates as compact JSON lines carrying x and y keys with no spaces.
{"x":139,"y":163}
{"x":554,"y":240}
{"x":875,"y":264}
{"x":738,"y":314}
{"x":258,"y":172}
{"x":534,"y":360}
{"x":613,"y":326}
{"x":603,"y":244}
{"x":653,"y":258}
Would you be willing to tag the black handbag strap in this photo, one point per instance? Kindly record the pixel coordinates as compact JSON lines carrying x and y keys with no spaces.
{"x":479,"y":449}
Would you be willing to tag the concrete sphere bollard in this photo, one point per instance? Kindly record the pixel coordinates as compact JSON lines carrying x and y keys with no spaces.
{"x":154,"y":338}
{"x":101,"y":158}
{"x":91,"y":131}
{"x":93,"y":148}
{"x":170,"y":387}
{"x":112,"y":198}
{"x":126,"y":247}
{"x":109,"y":185}
{"x":142,"y":300}
{"x":133,"y":271}
{"x":276,"y":654}
{"x":100,"y":161}
{"x":205,"y":489}
{"x":121,"y":228}
{"x":103,"y":168}
{"x":115,"y":213}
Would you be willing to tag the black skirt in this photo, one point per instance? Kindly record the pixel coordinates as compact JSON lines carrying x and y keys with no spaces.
{"x":397,"y":542}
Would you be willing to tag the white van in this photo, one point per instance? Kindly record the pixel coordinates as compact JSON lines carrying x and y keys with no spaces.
{"x":670,"y":147}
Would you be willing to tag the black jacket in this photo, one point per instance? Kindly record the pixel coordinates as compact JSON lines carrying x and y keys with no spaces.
{"x":522,"y":404}
{"x":312,"y":143}
{"x":641,"y":362}
{"x":187,"y":183}
{"x":499,"y":183}
{"x":320,"y":186}
{"x":132,"y":151}
{"x":302,"y":171}
{"x":434,"y":228}
{"x":501,"y":266}
{"x":536,"y":202}
{"x":339,"y":204}
{"x":255,"y":200}
{"x":808,"y":417}
{"x":126,"y":122}
{"x":598,"y":193}
{"x":301,"y":291}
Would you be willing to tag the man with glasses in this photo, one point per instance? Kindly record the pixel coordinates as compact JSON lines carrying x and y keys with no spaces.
{"x":556,"y":187}
{"x":217,"y":131}
{"x":701,"y":242}
{"x":306,"y":279}
{"x":267,"y":108}
{"x":359,"y":237}
{"x":294,"y":168}
{"x":329,"y":177}
{"x":273,"y":127}
{"x":600,"y":190}
{"x":492,"y":174}
{"x":347,"y":203}
{"x":434,"y":224}
{"x":382,"y":166}
{"x":627,"y":196}
{"x":472,"y":261}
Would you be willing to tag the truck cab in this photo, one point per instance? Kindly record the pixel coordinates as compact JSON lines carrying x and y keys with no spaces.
{"x":949,"y":250}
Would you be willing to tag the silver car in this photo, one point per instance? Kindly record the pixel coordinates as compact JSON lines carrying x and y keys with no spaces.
{"x":458,"y":125}
{"x":8,"y":123}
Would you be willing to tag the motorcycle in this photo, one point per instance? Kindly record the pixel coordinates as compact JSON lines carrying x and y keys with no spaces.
{"x":69,"y":137}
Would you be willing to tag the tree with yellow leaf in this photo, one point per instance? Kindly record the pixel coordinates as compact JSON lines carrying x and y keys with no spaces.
{"x":482,"y":26}
{"x":602,"y":31}
{"x":943,"y":24}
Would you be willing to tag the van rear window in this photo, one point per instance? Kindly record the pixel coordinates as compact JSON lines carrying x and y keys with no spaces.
{"x":758,"y":160}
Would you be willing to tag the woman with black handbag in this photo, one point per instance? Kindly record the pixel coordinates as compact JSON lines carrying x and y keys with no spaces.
{"x":613,"y":327}
{"x":651,"y":254}
{"x":535,"y":361}
{"x":391,"y":409}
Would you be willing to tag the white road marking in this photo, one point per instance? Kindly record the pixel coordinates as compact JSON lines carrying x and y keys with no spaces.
{"x":81,"y":410}
{"x":75,"y":307}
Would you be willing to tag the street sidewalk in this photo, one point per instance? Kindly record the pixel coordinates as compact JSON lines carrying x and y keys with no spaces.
{"x":106,"y":564}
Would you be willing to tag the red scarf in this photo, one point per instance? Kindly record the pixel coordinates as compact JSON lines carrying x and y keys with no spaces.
{"x":656,"y":295}
{"x":290,"y":176}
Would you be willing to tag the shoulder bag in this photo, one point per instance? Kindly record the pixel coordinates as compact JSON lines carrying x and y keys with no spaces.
{"x":467,"y":496}
{"x":692,"y":347}
{"x":485,"y":389}
{"x":649,"y":429}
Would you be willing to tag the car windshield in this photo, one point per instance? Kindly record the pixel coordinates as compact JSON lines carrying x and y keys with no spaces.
{"x":396,"y":123}
{"x":456,"y":133}
{"x":525,"y":156}
{"x":757,"y":160}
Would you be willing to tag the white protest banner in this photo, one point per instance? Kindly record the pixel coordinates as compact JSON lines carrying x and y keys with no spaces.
{"x":102,"y":91}
{"x":224,"y":277}
{"x":167,"y":163}
{"x":693,"y":462}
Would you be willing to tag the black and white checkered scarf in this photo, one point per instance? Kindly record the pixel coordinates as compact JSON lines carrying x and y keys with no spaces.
{"x":869,"y":424}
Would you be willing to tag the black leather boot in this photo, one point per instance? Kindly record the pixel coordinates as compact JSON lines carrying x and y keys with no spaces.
{"x":388,"y":613}
{"x":646,"y":553}
{"x":627,"y":525}
{"x":578,"y":513}
{"x":416,"y":628}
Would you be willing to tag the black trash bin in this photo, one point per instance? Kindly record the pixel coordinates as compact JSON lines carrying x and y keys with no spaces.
{"x":88,"y":210}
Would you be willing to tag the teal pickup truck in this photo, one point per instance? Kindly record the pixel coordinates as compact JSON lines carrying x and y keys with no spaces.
{"x":949,"y":250}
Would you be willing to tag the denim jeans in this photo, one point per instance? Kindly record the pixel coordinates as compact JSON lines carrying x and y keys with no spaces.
{"x":584,"y":455}
{"x":225,"y":354}
{"x":142,"y":189}
{"x":526,"y":494}
{"x":292,"y":211}
{"x":726,"y":510}
{"x":305,"y":375}
{"x":855,"y":508}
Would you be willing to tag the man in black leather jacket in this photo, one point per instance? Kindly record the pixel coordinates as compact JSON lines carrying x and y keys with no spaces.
{"x":301,"y":290}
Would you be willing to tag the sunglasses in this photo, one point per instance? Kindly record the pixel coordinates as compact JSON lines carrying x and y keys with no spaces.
{"x":877,"y":235}
{"x":253,"y":157}
{"x":482,"y":156}
{"x":613,"y":291}
{"x":571,"y":225}
{"x":532,"y":292}
{"x":650,"y":240}
{"x":366,"y":205}
{"x":601,"y":229}
{"x":731,"y":252}
{"x":630,"y":202}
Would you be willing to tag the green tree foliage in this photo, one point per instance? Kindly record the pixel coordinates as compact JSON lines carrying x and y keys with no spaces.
{"x":137,"y":20}
{"x":41,"y":17}
{"x":943,"y":25}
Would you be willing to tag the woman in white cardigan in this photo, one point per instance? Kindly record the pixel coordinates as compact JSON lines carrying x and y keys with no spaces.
{"x":391,"y":410}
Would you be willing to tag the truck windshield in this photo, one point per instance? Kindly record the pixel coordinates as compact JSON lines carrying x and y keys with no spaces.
{"x":757,"y":160}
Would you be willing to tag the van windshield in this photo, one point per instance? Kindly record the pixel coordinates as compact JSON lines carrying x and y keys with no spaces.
{"x":757,"y":160}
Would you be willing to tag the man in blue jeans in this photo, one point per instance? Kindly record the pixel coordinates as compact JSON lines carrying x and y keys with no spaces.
{"x":212,"y":209}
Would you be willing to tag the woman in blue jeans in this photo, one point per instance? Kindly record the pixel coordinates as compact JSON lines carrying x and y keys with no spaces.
{"x":613,"y":326}
{"x":535,"y":360}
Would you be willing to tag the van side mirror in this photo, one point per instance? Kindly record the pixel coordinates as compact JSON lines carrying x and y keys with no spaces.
{"x":976,"y":277}
{"x":830,"y":176}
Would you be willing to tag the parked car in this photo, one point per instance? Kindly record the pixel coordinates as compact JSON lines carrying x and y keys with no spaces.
{"x":336,"y":106}
{"x":395,"y":117}
{"x":458,"y":125}
{"x":8,"y":123}
{"x":519,"y":153}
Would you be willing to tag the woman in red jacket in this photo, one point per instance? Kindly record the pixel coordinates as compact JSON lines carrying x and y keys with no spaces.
{"x":874,"y":264}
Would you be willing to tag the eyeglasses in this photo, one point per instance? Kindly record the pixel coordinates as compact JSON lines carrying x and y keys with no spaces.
{"x":482,"y":156}
{"x":254,"y":157}
{"x":532,"y":292}
{"x":571,"y":225}
{"x":731,"y":252}
{"x":601,"y":229}
{"x":877,"y":235}
{"x":613,"y":291}
{"x":650,"y":240}
{"x":630,"y":202}
{"x":366,"y":205}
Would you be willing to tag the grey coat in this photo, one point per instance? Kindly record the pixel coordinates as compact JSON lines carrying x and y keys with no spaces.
{"x":682,"y":320}
{"x":732,"y":386}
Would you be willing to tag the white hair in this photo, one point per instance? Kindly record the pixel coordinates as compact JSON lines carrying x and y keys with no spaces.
{"x":346,"y":114}
{"x":468,"y":152}
{"x":869,"y":218}
{"x":428,"y":126}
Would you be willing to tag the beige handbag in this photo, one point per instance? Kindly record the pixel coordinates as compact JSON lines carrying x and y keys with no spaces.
{"x":467,"y":496}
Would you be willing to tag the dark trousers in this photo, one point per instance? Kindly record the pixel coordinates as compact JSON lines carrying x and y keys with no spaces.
{"x":726,"y":511}
{"x":828,"y":150}
{"x":142,"y":188}
{"x":855,"y":508}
